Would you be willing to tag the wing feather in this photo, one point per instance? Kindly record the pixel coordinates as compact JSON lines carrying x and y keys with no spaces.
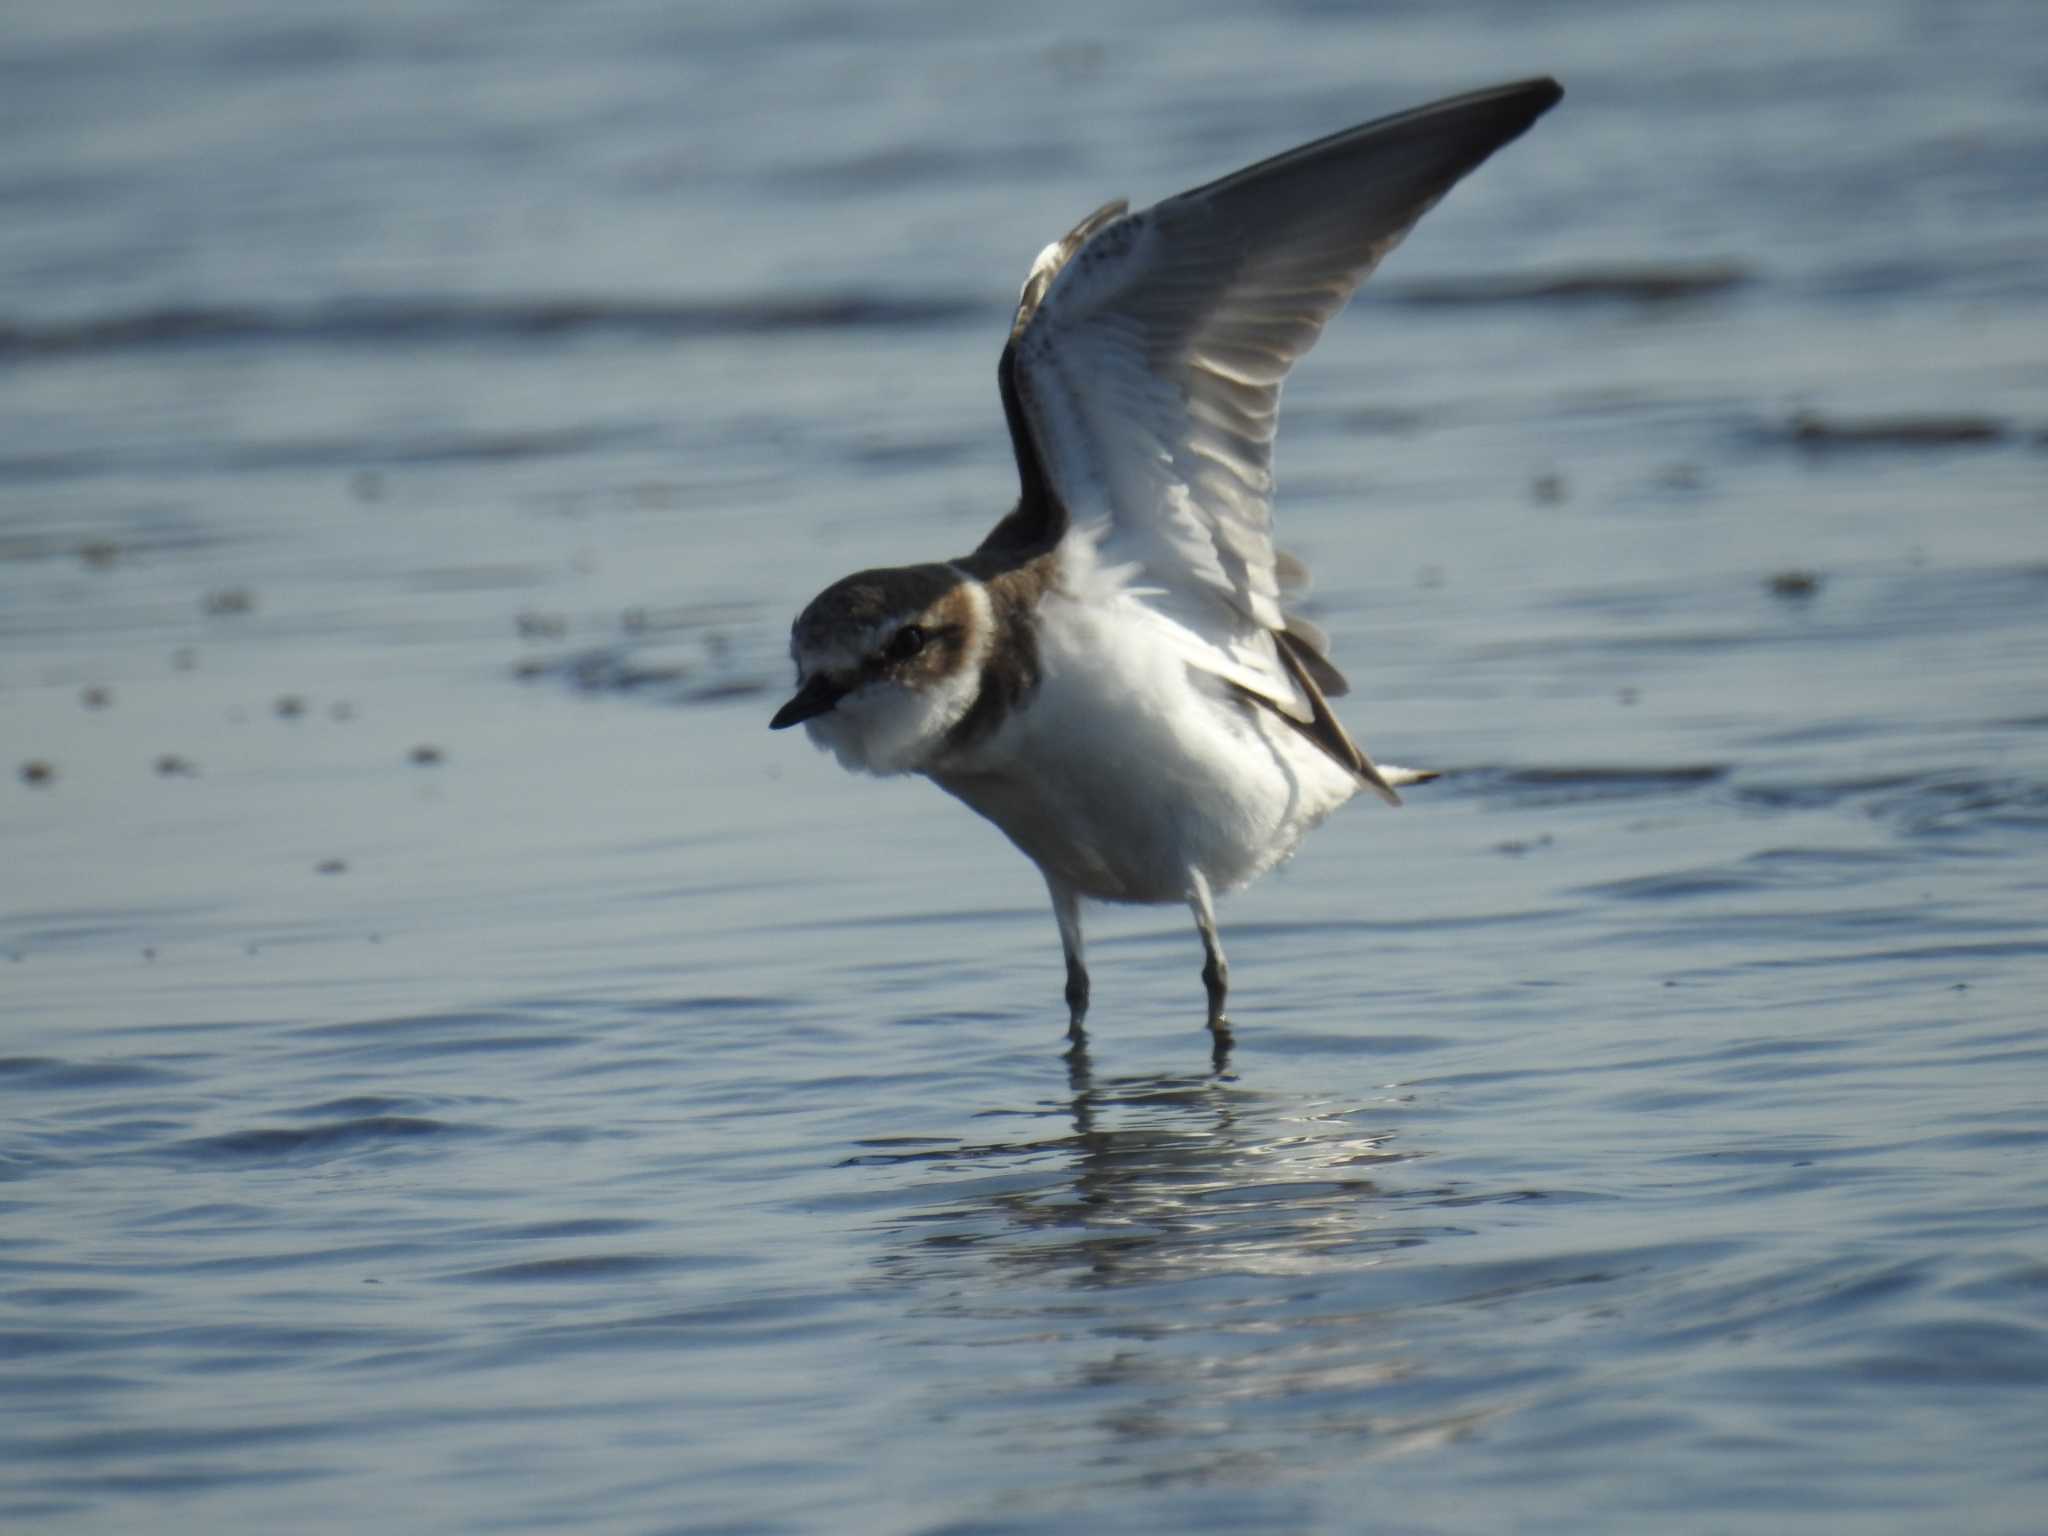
{"x":1142,"y":378}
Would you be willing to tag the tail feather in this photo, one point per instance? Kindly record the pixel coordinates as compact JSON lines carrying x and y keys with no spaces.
{"x":1397,"y":777}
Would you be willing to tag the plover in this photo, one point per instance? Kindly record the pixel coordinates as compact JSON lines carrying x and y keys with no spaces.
{"x":1112,"y":676}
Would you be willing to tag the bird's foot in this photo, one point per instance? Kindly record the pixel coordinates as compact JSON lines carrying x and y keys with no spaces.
{"x":1220,"y":1042}
{"x":1077,"y":996}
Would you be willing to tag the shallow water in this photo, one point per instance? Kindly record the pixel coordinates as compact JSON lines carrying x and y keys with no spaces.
{"x":461,"y":1071}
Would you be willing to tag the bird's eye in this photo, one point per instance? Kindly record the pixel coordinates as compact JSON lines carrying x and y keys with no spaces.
{"x":905,"y":643}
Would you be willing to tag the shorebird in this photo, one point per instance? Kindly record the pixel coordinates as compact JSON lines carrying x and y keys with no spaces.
{"x":1112,"y":677}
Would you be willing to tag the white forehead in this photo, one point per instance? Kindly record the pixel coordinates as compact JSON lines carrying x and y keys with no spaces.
{"x":842,"y":650}
{"x":848,"y":644}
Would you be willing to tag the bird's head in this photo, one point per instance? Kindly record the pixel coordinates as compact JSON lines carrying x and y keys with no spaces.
{"x":887,"y":663}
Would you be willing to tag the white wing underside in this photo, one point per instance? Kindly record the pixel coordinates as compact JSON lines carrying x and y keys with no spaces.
{"x":1149,"y":361}
{"x":1160,"y":444}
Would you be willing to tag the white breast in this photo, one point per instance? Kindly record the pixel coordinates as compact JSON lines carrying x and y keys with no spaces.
{"x":1126,"y":768}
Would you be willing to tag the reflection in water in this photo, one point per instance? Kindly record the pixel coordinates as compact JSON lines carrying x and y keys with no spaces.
{"x":1156,"y":1175}
{"x":1081,"y":1066}
{"x":1196,"y":1264}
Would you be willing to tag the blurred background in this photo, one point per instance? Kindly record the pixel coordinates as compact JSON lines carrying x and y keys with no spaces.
{"x":460,"y":1069}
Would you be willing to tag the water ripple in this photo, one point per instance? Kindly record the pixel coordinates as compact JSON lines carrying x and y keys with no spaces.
{"x":446,"y":321}
{"x":334,"y":1138}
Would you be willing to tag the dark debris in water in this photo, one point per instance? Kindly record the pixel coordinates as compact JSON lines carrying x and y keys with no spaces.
{"x":1648,"y":284}
{"x":229,"y":601}
{"x":1810,"y":429}
{"x":37,"y":771}
{"x":532,"y":625}
{"x":1796,"y":585}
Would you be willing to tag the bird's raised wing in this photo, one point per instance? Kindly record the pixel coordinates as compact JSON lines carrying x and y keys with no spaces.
{"x":1142,"y":378}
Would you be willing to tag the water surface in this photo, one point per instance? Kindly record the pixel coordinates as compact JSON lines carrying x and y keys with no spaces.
{"x":461,"y":1071}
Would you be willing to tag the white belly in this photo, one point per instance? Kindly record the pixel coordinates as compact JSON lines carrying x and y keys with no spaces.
{"x":1124,"y":771}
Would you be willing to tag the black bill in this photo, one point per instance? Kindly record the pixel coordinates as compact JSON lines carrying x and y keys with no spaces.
{"x":814,"y":698}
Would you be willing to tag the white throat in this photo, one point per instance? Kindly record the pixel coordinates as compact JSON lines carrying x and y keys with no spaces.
{"x":886,"y":726}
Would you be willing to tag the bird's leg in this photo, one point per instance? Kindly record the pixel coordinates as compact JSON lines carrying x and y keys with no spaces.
{"x":1216,"y":969}
{"x":1066,"y":911}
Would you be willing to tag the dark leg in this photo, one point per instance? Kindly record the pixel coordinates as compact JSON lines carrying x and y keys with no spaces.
{"x":1215,"y":969}
{"x":1220,"y":1042}
{"x":1066,"y":911}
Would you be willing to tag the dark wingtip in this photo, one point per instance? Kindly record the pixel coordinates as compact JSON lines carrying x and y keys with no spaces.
{"x":1536,"y":97}
{"x":1515,"y":105}
{"x":1537,"y":94}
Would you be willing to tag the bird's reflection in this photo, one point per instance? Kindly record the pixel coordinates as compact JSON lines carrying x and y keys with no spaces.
{"x":1080,"y":1069}
{"x":1152,"y":1267}
{"x":1130,"y":1177}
